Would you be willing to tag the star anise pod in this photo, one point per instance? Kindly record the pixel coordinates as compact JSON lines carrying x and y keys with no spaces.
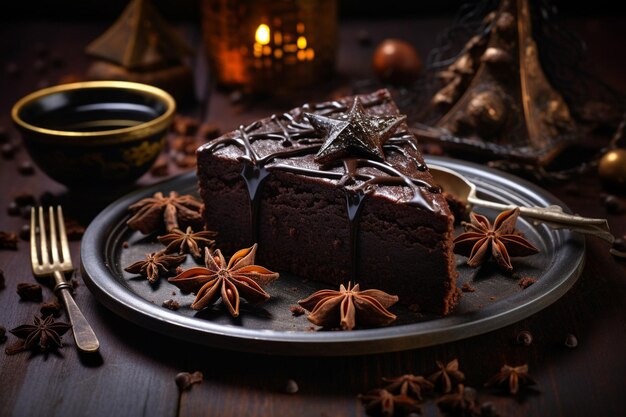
{"x":349,"y":305}
{"x":461,"y":403}
{"x":175,"y":211}
{"x":155,"y":265}
{"x":380,"y":402}
{"x":44,"y":334}
{"x":447,"y":375}
{"x":511,"y":378}
{"x":240,"y":278}
{"x":188,"y":241}
{"x":408,"y":385}
{"x":501,"y":240}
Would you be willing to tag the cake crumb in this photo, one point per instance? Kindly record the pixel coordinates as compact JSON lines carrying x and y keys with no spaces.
{"x":52,"y":308}
{"x":414,"y":308}
{"x":29,"y":292}
{"x":526,"y":282}
{"x":296,"y":311}
{"x":171,"y":304}
{"x":466,"y":287}
{"x":492,"y":298}
{"x":125,"y":245}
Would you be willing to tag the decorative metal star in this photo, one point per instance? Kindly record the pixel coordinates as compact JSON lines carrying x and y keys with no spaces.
{"x":353,"y":133}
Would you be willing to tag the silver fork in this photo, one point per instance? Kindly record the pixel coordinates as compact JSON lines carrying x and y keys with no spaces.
{"x":86,"y":340}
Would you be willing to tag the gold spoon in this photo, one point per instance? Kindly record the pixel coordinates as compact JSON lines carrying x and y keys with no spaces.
{"x":553,"y":216}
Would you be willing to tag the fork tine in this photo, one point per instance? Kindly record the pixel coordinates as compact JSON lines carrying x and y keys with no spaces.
{"x":53,"y":237}
{"x":34,"y":260}
{"x":65,"y":247}
{"x":42,"y":235}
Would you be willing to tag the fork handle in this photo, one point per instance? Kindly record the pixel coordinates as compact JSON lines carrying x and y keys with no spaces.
{"x":86,"y":340}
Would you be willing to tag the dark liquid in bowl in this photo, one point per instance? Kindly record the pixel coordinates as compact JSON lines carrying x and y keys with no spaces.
{"x":92,"y":110}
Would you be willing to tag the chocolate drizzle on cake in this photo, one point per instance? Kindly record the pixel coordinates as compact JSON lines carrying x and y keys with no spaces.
{"x":298,"y":138}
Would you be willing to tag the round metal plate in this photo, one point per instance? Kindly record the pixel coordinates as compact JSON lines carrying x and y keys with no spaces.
{"x":497,"y":299}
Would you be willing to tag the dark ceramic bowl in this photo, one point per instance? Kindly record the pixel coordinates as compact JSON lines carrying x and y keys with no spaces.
{"x":102,"y":133}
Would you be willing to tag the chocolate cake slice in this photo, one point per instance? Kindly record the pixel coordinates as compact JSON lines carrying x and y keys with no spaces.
{"x":334,"y":192}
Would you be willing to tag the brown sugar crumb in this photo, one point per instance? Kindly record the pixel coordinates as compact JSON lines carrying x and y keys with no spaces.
{"x":171,"y":304}
{"x":466,"y":287}
{"x":29,"y":292}
{"x":296,"y":311}
{"x":526,"y":282}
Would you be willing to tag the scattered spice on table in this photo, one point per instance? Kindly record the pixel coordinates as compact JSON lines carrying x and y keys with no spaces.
{"x":184,"y":380}
{"x":524,"y":338}
{"x":408,"y":384}
{"x":462,"y":402}
{"x":296,"y":311}
{"x":501,"y":241}
{"x":171,"y":304}
{"x":570,"y":341}
{"x":156,"y":265}
{"x":351,"y":306}
{"x":24,"y":199}
{"x":173,"y":211}
{"x":511,"y":378}
{"x":51,"y":308}
{"x":240,"y":278}
{"x":446,"y":376}
{"x":43,"y":335}
{"x":526,"y":282}
{"x":26,"y":168}
{"x":188,"y":241}
{"x":8,"y":240}
{"x":380,"y":402}
{"x":29,"y":291}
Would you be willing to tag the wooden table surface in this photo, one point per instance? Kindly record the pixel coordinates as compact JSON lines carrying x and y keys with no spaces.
{"x":134,"y":373}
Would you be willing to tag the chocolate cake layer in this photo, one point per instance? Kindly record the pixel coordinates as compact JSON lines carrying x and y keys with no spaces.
{"x":380,"y":223}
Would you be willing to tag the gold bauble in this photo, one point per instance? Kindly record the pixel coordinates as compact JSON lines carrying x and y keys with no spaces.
{"x":612,"y":168}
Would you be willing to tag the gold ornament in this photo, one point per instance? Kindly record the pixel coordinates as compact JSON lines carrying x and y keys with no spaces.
{"x":612,"y":168}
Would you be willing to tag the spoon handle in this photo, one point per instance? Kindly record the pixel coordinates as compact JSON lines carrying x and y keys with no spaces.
{"x":554,"y":217}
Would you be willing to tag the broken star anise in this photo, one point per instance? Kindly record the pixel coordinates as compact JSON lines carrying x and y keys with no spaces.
{"x":380,"y":402}
{"x":408,"y":385}
{"x":461,"y":403}
{"x":511,"y":378}
{"x":240,"y":278}
{"x":499,"y":240}
{"x":349,"y":305}
{"x":446,"y":375}
{"x":175,"y":211}
{"x":44,"y":334}
{"x":155,"y":265}
{"x":188,"y":241}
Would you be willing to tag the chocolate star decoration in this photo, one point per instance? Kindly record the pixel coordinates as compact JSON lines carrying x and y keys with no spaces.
{"x":353,"y":134}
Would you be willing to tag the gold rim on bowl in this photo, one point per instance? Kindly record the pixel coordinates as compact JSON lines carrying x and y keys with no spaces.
{"x":121,"y":135}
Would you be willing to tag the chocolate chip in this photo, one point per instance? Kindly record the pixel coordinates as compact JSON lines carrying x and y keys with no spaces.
{"x":613,"y":205}
{"x":26,"y":168}
{"x":570,"y":341}
{"x":24,"y":199}
{"x":524,"y":338}
{"x":13,"y":209}
{"x":29,"y":292}
{"x":25,"y":232}
{"x":52,"y":308}
{"x":291,"y":387}
{"x":171,"y":304}
{"x":8,"y":240}
{"x":8,"y":150}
